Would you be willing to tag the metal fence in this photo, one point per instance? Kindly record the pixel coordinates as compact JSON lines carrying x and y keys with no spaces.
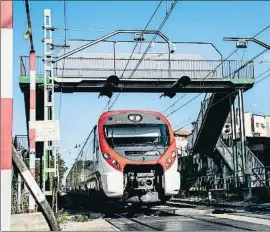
{"x":228,"y":180}
{"x":197,"y":126}
{"x":150,"y":68}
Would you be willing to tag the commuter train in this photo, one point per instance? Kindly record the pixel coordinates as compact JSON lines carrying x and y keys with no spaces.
{"x":131,"y":158}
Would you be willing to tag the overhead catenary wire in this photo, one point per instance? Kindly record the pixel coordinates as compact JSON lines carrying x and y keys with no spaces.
{"x":187,"y":120}
{"x":241,"y":67}
{"x":175,"y":102}
{"x":75,"y":147}
{"x":183,"y":105}
{"x":182,"y":127}
{"x":65,"y":21}
{"x":228,"y":57}
{"x":234,"y":72}
{"x":149,"y":46}
{"x":203,"y":80}
{"x":81,"y":29}
{"x":81,"y":151}
{"x":262,"y":79}
{"x":29,"y":25}
{"x":234,"y":92}
{"x":261,"y":31}
{"x":154,"y":37}
{"x":149,"y":21}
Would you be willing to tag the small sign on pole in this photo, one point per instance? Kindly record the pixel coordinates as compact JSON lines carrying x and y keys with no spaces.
{"x":46,"y":130}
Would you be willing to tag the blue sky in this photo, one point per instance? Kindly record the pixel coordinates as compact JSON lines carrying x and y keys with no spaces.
{"x":190,"y":21}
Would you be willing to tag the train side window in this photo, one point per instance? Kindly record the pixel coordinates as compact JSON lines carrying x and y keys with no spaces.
{"x":97,"y":150}
{"x":96,"y":146}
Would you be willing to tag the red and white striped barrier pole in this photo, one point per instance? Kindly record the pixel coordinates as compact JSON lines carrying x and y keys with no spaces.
{"x":6,"y":111}
{"x":32,"y":118}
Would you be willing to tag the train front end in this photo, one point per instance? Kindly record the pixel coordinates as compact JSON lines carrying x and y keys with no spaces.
{"x":139,"y":156}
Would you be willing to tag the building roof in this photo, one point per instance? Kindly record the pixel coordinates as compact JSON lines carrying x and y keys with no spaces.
{"x":182,"y":132}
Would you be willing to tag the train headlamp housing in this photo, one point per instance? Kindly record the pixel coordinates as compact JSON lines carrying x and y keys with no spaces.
{"x":168,"y":162}
{"x":116,"y":164}
{"x":111,"y":161}
{"x":173,"y":154}
{"x":106,"y":156}
{"x":135,"y":117}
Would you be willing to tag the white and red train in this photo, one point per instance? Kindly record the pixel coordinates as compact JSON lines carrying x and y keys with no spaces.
{"x":132,"y":158}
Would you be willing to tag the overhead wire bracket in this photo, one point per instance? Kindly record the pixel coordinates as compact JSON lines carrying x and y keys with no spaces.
{"x":110,"y":84}
{"x":180,"y":83}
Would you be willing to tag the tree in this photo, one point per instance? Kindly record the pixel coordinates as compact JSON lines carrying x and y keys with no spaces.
{"x":62,"y":168}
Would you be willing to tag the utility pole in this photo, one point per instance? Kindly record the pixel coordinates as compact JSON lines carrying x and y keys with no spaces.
{"x":241,"y":42}
{"x":234,"y":147}
{"x":242,"y":130}
{"x":32,"y":104}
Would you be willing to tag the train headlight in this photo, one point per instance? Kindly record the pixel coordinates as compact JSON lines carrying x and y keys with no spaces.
{"x":116,"y":164}
{"x":135,"y":117}
{"x":173,"y":154}
{"x":168,"y":162}
{"x":106,"y":156}
{"x":142,"y":183}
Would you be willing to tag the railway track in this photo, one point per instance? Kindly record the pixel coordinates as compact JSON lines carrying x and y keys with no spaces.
{"x":179,"y":218}
{"x":166,"y":219}
{"x":175,"y":202}
{"x":211,"y":221}
{"x":124,"y":223}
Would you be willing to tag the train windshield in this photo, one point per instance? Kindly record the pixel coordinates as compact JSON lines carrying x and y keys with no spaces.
{"x":137,"y":135}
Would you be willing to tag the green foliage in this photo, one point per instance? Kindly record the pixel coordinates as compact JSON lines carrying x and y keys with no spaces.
{"x":62,"y":216}
{"x":62,"y":168}
{"x":80,"y":218}
{"x":61,"y":165}
{"x":38,"y":170}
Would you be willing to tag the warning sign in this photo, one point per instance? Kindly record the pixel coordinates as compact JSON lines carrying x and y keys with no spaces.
{"x":46,"y":130}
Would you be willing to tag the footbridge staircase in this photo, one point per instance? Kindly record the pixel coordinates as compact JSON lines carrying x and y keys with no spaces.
{"x":205,"y":140}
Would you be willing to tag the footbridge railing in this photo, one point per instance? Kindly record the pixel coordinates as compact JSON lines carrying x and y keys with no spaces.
{"x":153,"y":66}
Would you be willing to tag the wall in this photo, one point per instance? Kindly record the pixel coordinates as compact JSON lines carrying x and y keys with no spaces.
{"x":181,"y":142}
{"x":254,"y":124}
{"x":261,"y":125}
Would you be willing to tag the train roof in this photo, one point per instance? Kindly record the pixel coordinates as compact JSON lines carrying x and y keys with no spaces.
{"x":150,"y":112}
{"x":131,"y":111}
